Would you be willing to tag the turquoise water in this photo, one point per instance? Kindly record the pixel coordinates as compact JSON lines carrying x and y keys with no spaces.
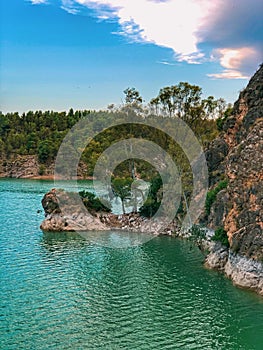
{"x":59,"y":291}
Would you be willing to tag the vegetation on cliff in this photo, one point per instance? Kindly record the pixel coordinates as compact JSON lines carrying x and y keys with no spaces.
{"x":235,"y":211}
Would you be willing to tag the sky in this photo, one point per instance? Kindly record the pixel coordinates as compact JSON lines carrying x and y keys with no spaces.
{"x":58,"y":54}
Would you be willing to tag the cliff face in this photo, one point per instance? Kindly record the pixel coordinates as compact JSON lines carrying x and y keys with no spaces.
{"x":237,"y":155}
{"x":28,"y":166}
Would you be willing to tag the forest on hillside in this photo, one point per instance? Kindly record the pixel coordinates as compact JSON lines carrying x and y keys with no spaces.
{"x":41,"y":132}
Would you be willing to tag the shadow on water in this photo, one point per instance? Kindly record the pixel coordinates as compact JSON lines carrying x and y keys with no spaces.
{"x":59,"y":241}
{"x":115,"y":239}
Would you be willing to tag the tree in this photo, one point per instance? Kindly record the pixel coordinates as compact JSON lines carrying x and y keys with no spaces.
{"x":45,"y":151}
{"x":122,"y":188}
{"x":182,"y":100}
{"x":133,"y":101}
{"x":165,"y":98}
{"x":155,"y":103}
{"x":153,"y":201}
{"x":132,"y":95}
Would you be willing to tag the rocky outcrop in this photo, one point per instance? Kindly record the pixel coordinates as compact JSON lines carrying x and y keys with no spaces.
{"x":20,"y":167}
{"x":237,"y":156}
{"x":244,"y":272}
{"x":65,"y":211}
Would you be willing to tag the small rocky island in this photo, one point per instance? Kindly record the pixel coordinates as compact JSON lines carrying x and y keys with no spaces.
{"x":65,"y":212}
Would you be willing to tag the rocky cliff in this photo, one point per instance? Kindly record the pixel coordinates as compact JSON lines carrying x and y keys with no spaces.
{"x":28,"y":167}
{"x":237,"y":156}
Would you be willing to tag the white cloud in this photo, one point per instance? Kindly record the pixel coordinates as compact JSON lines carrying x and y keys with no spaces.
{"x":172,"y":24}
{"x":69,"y":6}
{"x":72,"y":11}
{"x":235,"y":58}
{"x":183,"y":25}
{"x":166,"y":63}
{"x":38,"y":2}
{"x":235,"y":61}
{"x":228,"y":74}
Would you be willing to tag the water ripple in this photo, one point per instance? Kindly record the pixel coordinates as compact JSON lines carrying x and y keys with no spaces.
{"x":59,"y":291}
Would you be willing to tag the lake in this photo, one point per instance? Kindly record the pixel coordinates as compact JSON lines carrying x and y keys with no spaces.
{"x":61,"y":291}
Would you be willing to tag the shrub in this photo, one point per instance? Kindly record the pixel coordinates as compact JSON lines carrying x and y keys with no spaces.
{"x":93,"y":203}
{"x":197,"y":234}
{"x":149,"y":208}
{"x":41,"y":169}
{"x":221,"y":236}
{"x":153,"y":202}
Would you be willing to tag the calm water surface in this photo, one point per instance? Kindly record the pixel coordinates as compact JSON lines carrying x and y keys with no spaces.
{"x":59,"y":291}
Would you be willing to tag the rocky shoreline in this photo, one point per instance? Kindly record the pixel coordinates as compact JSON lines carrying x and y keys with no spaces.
{"x":244,"y":272}
{"x":62,"y":216}
{"x":64,"y":212}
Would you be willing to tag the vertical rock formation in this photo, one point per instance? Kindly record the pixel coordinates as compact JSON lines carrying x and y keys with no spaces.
{"x":237,"y":155}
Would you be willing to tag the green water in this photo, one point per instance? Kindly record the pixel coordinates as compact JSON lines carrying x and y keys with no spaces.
{"x":59,"y":291}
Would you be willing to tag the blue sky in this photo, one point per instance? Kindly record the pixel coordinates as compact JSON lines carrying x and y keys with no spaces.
{"x":57,"y":54}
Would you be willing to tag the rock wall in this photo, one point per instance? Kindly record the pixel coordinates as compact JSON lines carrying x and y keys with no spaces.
{"x":20,"y":167}
{"x":237,"y":155}
{"x":244,"y":272}
{"x":28,"y":166}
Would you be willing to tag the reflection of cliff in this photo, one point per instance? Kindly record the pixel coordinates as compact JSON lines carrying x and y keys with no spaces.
{"x":238,"y":156}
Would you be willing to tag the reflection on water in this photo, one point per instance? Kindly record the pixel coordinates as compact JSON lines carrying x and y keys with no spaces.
{"x":117,"y":239}
{"x":62,"y":291}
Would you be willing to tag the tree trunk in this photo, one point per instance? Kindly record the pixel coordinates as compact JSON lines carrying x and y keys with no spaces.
{"x":122,"y":204}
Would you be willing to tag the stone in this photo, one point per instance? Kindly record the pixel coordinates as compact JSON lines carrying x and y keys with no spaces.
{"x":237,"y":156}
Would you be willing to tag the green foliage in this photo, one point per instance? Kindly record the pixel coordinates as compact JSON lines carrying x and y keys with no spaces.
{"x":211,"y":195}
{"x":149,"y":207}
{"x":221,"y":236}
{"x":94,"y":203}
{"x":122,"y":188}
{"x":37,"y":133}
{"x":197,"y":234}
{"x":41,"y":132}
{"x":152,"y":203}
{"x":220,"y":121}
{"x":185,"y":101}
{"x":42,"y":169}
{"x":45,"y":151}
{"x":132,"y":95}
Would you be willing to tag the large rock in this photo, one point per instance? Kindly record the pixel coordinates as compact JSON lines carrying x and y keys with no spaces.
{"x":237,"y":155}
{"x":65,"y":212}
{"x":244,"y":272}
